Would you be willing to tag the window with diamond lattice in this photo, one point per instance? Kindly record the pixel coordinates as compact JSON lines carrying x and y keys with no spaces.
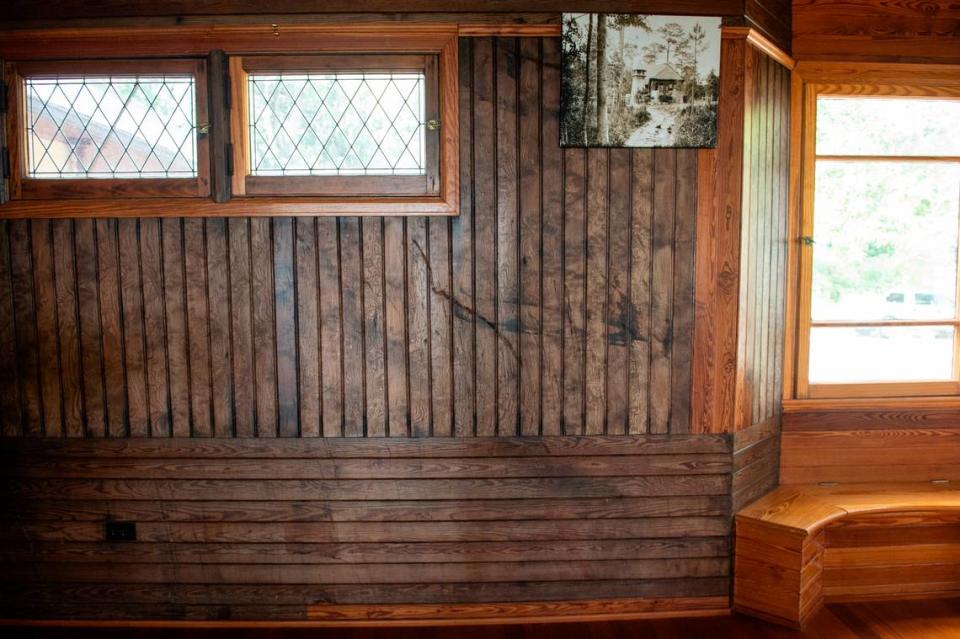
{"x":363,"y":125}
{"x":110,"y":128}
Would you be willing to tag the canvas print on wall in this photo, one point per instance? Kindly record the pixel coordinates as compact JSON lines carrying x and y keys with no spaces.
{"x":632,"y":80}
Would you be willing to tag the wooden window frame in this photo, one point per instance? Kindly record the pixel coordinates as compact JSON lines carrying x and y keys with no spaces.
{"x":22,"y":187}
{"x":246,"y":183}
{"x":435,"y":193}
{"x":854,"y":79}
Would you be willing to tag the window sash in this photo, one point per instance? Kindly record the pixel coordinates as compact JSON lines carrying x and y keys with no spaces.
{"x":393,"y":186}
{"x":29,"y":188}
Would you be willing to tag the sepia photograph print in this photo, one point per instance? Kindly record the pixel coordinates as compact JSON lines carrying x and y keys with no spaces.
{"x":631,"y":80}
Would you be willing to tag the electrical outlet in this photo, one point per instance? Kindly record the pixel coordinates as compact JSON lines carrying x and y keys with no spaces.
{"x":121,"y":531}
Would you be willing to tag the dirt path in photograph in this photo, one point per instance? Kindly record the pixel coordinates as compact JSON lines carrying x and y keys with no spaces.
{"x":656,"y":131}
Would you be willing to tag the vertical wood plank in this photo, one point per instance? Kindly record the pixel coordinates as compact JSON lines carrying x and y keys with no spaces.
{"x":375,"y":347}
{"x":115,"y":381}
{"x":25,"y":325}
{"x":598,"y":213}
{"x":175,"y":303}
{"x":462,"y":260}
{"x":782,"y":239}
{"x":574,"y":290}
{"x":264,"y":317}
{"x":331,"y":333}
{"x":134,"y":344}
{"x":221,"y":311}
{"x":641,"y":255}
{"x":286,"y":326}
{"x":418,"y":326}
{"x":45,"y":287}
{"x":530,"y":212}
{"x":354,"y":353}
{"x":198,"y":327}
{"x":485,"y":234}
{"x":508,"y":231}
{"x":308,"y":328}
{"x":68,"y":327}
{"x":218,"y":89}
{"x":158,"y":394}
{"x":552,"y":231}
{"x":617,"y":329}
{"x":441,"y":327}
{"x":661,"y":324}
{"x":241,"y":328}
{"x":94,"y":402}
{"x":394,"y":281}
{"x":685,"y":230}
{"x":10,"y":419}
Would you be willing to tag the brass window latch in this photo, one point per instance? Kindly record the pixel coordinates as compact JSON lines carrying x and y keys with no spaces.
{"x":806,"y":240}
{"x":432,"y":125}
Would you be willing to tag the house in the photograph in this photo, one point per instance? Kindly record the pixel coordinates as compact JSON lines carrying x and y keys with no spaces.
{"x":663,"y":84}
{"x":424,"y":319}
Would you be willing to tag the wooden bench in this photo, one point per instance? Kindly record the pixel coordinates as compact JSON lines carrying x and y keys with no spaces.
{"x":805,"y":545}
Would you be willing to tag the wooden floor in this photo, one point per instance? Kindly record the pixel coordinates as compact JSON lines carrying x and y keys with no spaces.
{"x":938,"y":619}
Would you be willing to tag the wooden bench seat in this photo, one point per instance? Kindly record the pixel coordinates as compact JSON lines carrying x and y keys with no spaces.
{"x":803,"y":545}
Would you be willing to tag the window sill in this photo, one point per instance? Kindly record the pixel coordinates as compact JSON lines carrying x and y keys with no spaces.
{"x":236,"y":207}
{"x":868,"y":403}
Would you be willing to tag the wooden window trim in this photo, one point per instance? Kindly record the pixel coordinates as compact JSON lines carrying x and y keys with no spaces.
{"x":436,"y":193}
{"x":25,"y":188}
{"x":855,"y":79}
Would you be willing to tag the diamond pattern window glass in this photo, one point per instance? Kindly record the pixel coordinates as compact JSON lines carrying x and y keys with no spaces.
{"x":357,"y":123}
{"x":105,"y":126}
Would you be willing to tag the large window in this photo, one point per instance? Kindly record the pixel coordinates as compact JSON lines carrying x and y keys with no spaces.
{"x":879,"y":302}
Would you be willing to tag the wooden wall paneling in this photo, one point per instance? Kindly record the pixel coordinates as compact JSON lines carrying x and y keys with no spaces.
{"x":596,"y":318}
{"x":485,"y":234}
{"x":45,"y":295}
{"x":877,"y":31}
{"x":221,"y":312}
{"x":155,"y":332}
{"x":683,"y":291}
{"x":507,"y":181}
{"x":198,"y":327}
{"x":114,"y":369}
{"x":331,"y":362}
{"x":530,"y":206}
{"x":462,"y":254}
{"x":4,"y":177}
{"x":355,"y":332}
{"x":552,"y":238}
{"x":25,"y":325}
{"x":10,"y":419}
{"x":439,"y":300}
{"x":307,"y":299}
{"x":574,"y":290}
{"x":68,"y":333}
{"x":394,"y":260}
{"x":241,"y":327}
{"x":375,"y":338}
{"x":285,"y":318}
{"x":263,"y":300}
{"x":208,"y":536}
{"x":773,"y":18}
{"x":661,"y":311}
{"x":618,"y":294}
{"x":419,"y":373}
{"x":641,"y":287}
{"x":783,"y":238}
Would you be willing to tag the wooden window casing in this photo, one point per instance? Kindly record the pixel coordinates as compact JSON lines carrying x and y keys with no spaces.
{"x":247,"y":183}
{"x":436,"y":192}
{"x":23,"y":187}
{"x":880,"y":81}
